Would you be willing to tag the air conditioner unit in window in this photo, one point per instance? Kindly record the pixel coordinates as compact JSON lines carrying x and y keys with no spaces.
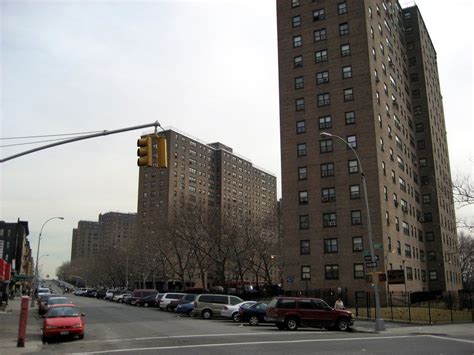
{"x":325,"y":198}
{"x":332,"y":223}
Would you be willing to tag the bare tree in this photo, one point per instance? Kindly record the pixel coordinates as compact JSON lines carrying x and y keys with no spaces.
{"x":463,"y":191}
{"x":466,"y":254}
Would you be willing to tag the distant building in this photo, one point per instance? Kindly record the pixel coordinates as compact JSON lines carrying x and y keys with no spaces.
{"x":365,"y":71}
{"x":211,"y":178}
{"x":90,"y":238}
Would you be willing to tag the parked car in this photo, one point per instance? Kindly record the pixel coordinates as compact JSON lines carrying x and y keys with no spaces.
{"x":166,"y":300}
{"x":127,"y":298}
{"x":187,"y":298}
{"x":42,"y":300}
{"x":56,"y":300}
{"x":42,"y":291}
{"x":232,"y":311}
{"x":253,"y":314}
{"x":91,"y":292}
{"x":138,"y":294}
{"x":101,"y":293}
{"x":80,"y":291}
{"x":63,"y":320}
{"x":147,"y":301}
{"x":208,"y":305}
{"x":118,"y":297}
{"x":293,"y":312}
{"x":109,"y":294}
{"x":184,"y":308}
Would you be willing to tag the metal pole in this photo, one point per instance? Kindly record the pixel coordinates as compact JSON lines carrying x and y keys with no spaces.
{"x":126,"y":271}
{"x":379,"y":322}
{"x":88,"y":136}
{"x":37,"y":261}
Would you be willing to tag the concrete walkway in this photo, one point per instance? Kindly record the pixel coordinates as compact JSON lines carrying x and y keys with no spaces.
{"x":9,"y":321}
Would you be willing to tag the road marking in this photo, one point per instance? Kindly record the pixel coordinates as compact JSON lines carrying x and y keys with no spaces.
{"x":204,"y":336}
{"x":448,"y":338}
{"x":244,"y":343}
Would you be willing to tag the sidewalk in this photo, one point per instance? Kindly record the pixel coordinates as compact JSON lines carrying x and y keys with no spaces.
{"x":456,"y":330}
{"x":9,"y":321}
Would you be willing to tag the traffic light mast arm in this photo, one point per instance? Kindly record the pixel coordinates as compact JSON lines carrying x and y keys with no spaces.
{"x":71,"y":140}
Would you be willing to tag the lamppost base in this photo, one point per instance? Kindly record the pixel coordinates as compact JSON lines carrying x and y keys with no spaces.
{"x":379,"y":324}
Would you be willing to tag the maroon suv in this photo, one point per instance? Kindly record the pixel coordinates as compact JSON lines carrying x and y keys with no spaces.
{"x":292,"y":312}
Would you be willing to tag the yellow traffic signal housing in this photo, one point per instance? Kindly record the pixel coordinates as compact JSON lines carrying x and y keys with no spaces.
{"x":145,"y":151}
{"x":162,"y":152}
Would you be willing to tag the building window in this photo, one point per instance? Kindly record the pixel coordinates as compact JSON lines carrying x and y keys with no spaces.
{"x":322,"y":77}
{"x":417,"y":110}
{"x":399,"y":248}
{"x":409,"y":272}
{"x":305,"y":272}
{"x":353,"y":166}
{"x":419,"y":127}
{"x":421,"y":144}
{"x":324,"y":100}
{"x":414,"y":77}
{"x":330,"y":246}
{"x":303,"y":197}
{"x":352,"y":142}
{"x":327,"y":169}
{"x":325,"y":146}
{"x":297,"y":41}
{"x":299,"y":104}
{"x":320,"y":35}
{"x":344,"y":29}
{"x":296,"y":21}
{"x":359,"y":271}
{"x":350,"y":117}
{"x":433,"y":275}
{"x":348,"y":95}
{"x":329,"y":219}
{"x":407,"y":251}
{"x":429,"y":236}
{"x":304,"y":222}
{"x":325,"y":122}
{"x":301,"y":149}
{"x":412,"y":61}
{"x":426,"y":199}
{"x":347,"y":72}
{"x":416,"y":94}
{"x":302,"y":173}
{"x":321,"y":56}
{"x":331,"y":272}
{"x":345,"y":50}
{"x":357,"y":244}
{"x":356,"y":218}
{"x":295,"y":3}
{"x":342,"y":8}
{"x":298,"y":61}
{"x":328,"y":194}
{"x":354,"y":192}
{"x":299,"y":82}
{"x":423,"y":163}
{"x":428,"y":217}
{"x":319,"y":15}
{"x":300,"y":127}
{"x":305,"y":247}
{"x":431,"y":255}
{"x":425,"y":180}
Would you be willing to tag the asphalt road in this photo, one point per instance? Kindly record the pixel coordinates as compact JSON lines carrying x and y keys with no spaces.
{"x":116,"y":328}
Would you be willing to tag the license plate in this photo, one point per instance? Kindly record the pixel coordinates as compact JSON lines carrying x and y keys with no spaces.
{"x":64,"y":333}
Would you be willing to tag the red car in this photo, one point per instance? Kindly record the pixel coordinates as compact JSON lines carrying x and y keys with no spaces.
{"x":63,"y":320}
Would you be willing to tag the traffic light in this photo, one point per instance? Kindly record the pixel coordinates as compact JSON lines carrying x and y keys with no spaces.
{"x":162,"y":152}
{"x":144,"y":152}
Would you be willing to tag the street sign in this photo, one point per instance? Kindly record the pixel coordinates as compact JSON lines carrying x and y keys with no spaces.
{"x":371,"y":264}
{"x":396,"y":277}
{"x":369,"y":258}
{"x":378,"y":246}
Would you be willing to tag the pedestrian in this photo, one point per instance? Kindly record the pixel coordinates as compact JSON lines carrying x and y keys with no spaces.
{"x":339,"y":304}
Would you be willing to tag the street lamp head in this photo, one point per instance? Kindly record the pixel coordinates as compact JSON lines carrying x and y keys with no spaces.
{"x":325,"y":134}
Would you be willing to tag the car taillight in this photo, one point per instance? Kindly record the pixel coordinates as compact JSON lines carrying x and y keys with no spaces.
{"x":78,"y":325}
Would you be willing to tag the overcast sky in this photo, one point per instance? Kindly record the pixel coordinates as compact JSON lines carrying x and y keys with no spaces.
{"x":208,"y":68}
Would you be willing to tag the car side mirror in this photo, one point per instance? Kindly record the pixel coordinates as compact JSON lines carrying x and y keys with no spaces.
{"x":83,"y":315}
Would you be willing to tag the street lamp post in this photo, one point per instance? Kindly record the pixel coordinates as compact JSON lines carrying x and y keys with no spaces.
{"x":379,"y":322}
{"x":37,"y":259}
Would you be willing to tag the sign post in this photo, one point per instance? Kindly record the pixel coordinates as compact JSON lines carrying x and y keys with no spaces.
{"x":23,"y":321}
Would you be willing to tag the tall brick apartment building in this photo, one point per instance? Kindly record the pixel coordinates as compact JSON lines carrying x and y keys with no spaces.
{"x":207,"y":177}
{"x":364,"y":70}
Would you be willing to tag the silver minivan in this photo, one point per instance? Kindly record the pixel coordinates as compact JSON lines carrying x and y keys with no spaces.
{"x":206,"y":305}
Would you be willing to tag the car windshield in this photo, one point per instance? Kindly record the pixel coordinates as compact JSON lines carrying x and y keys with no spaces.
{"x":63,"y":312}
{"x":58,"y":300}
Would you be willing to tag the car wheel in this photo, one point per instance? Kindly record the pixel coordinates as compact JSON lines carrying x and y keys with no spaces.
{"x":44,"y":339}
{"x":207,"y":314}
{"x":146,"y":304}
{"x":190,"y":312}
{"x":168,"y":309}
{"x":291,"y":324}
{"x":81,"y":336}
{"x":342,"y":324}
{"x":280,"y":326}
{"x":236,"y":317}
{"x":253,"y":320}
